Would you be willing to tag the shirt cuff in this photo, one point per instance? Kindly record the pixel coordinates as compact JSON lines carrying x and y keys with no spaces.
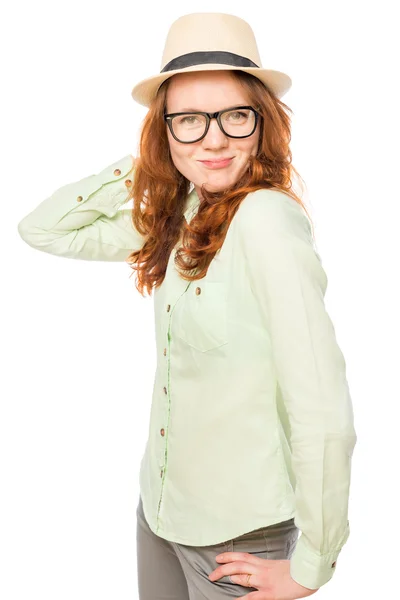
{"x":311,"y":569}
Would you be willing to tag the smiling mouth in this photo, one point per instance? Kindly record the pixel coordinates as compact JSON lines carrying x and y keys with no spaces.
{"x":217,"y":159}
{"x":221,"y":162}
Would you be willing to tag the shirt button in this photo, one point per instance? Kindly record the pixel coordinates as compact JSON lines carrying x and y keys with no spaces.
{"x":165,"y":389}
{"x":198,"y":290}
{"x":162,"y":431}
{"x":165,"y":352}
{"x":168,"y":307}
{"x":117,"y":172}
{"x":128,"y":182}
{"x":79,"y":198}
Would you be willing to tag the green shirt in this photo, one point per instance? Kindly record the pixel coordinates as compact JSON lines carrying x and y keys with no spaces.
{"x":251,"y":418}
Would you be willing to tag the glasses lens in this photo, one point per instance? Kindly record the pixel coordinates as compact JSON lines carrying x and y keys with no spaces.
{"x":188,"y":128}
{"x":239,"y":122}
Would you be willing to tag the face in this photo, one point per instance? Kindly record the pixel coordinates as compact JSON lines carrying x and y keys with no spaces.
{"x":209,"y":91}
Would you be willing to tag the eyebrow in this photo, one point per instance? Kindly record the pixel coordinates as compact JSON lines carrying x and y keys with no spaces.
{"x":186,"y":109}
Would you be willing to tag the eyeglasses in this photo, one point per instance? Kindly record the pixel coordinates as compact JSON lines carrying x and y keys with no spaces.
{"x":190,"y":127}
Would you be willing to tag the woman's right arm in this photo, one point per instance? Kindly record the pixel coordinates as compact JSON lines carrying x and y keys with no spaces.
{"x":81,"y":219}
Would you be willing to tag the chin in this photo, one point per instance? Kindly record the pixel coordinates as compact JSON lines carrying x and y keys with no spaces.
{"x":220,"y":184}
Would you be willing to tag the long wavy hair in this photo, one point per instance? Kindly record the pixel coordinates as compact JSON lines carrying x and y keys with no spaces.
{"x":159,"y":191}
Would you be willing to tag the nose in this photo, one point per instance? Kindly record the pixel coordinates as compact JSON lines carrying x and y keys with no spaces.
{"x":215,"y":137}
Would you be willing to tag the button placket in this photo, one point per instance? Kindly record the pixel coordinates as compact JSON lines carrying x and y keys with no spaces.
{"x":162,"y":431}
{"x":165,"y":389}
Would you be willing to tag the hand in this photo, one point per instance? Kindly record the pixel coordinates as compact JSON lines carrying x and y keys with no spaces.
{"x":271,"y":577}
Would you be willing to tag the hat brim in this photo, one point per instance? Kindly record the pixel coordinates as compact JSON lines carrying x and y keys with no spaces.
{"x":145,"y":91}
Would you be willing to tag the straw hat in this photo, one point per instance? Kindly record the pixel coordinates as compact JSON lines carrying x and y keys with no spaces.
{"x":210,"y":42}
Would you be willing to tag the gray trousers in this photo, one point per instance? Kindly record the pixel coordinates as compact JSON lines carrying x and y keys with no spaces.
{"x":171,"y":571}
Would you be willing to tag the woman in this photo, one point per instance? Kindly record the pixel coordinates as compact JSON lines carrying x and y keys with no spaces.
{"x":251,"y":431}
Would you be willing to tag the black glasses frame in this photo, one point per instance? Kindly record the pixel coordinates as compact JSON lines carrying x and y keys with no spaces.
{"x":216,"y":115}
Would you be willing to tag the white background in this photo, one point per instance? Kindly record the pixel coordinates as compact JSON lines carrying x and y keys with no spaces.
{"x":78,"y":344}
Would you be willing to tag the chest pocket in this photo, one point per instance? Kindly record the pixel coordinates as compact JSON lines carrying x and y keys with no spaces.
{"x":201,"y":320}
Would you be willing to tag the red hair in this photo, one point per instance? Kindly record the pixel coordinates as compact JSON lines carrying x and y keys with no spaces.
{"x":159,"y":190}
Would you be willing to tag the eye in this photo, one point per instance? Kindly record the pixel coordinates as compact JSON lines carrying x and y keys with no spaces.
{"x":237,"y":115}
{"x":188,"y":120}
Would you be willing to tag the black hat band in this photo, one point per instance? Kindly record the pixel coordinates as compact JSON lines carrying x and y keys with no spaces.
{"x":214,"y":56}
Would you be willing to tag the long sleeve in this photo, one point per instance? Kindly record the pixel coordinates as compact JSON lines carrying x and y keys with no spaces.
{"x":82,"y":219}
{"x":288,"y":280}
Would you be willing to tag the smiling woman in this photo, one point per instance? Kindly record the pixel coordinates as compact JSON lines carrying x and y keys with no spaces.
{"x":251,"y":427}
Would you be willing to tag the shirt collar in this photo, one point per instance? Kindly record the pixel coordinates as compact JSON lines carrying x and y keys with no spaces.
{"x":192,"y":203}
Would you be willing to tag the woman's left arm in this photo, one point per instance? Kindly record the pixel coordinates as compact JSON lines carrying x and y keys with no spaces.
{"x":289,"y":281}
